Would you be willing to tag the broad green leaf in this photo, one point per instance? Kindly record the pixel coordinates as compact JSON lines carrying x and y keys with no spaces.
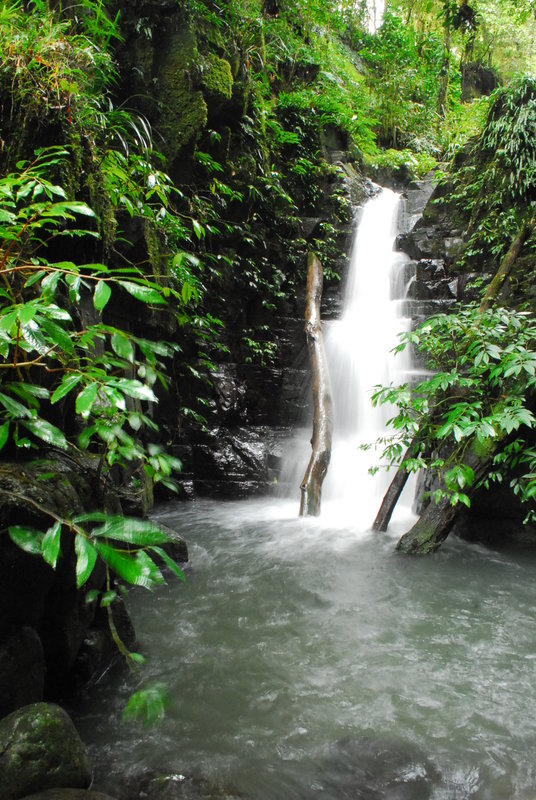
{"x":135,"y":389}
{"x":50,"y":282}
{"x":142,"y":292}
{"x":101,"y":295}
{"x":27,"y":312}
{"x":56,"y":334}
{"x":33,"y":339}
{"x":15,"y":408}
{"x":46,"y":432}
{"x":50,"y":546}
{"x":86,"y":398}
{"x":122,"y":346}
{"x":86,"y":556}
{"x":8,"y":319}
{"x":168,"y":561}
{"x":28,"y":539}
{"x":149,"y":704}
{"x":136,"y":568}
{"x":4,"y":434}
{"x":68,"y":382}
{"x":130,"y":529}
{"x":24,"y":389}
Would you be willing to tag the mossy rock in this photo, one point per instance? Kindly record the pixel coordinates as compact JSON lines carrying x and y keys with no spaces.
{"x":217,"y":78}
{"x":183,"y":108}
{"x":40,"y":749}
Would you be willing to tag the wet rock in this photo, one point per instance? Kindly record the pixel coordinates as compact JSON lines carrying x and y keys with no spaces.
{"x":68,"y":794}
{"x":376,"y":769}
{"x":40,"y":749}
{"x":99,"y":650}
{"x":176,"y":548}
{"x":153,"y":784}
{"x":22,"y":670}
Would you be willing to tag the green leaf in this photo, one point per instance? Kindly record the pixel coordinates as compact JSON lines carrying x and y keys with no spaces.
{"x":50,"y":546}
{"x":130,"y":529}
{"x":108,"y":598}
{"x":4,"y":434}
{"x":15,"y":408}
{"x":137,"y":569}
{"x":92,"y":595}
{"x":146,"y":294}
{"x":149,"y":704}
{"x":56,"y":334}
{"x":135,"y":389}
{"x":101,"y":295}
{"x":28,"y":539}
{"x":46,"y":432}
{"x":86,"y":398}
{"x":68,"y":382}
{"x":86,"y":556}
{"x":169,"y":562}
{"x":122,"y":346}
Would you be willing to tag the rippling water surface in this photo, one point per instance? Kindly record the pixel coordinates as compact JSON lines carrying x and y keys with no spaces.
{"x":297,"y":651}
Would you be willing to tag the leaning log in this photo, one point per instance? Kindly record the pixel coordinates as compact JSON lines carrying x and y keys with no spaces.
{"x":311,"y":486}
{"x":497,"y":282}
{"x":391,"y":496}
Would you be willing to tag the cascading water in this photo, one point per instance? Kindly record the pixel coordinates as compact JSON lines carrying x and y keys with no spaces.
{"x":358,"y":348}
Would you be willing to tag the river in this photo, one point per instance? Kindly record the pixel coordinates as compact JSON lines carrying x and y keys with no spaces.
{"x":305,"y":658}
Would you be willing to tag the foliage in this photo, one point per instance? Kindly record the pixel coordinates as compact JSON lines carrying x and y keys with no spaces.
{"x":476,"y":402}
{"x":404,"y":68}
{"x":496,"y":182}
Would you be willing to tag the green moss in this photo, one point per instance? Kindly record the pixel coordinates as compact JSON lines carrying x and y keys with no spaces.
{"x":183,"y":108}
{"x":217,"y":78}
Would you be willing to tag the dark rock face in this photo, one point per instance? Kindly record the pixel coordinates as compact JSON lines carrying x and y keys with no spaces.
{"x":40,"y":749}
{"x":477,"y":80}
{"x":22,"y":670}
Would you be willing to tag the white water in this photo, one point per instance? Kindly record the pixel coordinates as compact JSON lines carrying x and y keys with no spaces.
{"x":358,"y":349}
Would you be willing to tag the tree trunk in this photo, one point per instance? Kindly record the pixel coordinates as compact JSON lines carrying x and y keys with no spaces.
{"x":430,"y":530}
{"x":507,"y":264}
{"x":390,"y":499}
{"x":311,"y":486}
{"x":437,"y":519}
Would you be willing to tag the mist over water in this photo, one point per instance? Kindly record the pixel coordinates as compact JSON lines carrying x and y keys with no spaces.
{"x":304,"y":658}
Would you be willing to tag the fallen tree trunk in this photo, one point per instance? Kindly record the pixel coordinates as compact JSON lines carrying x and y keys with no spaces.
{"x":506,"y":264}
{"x":311,"y":486}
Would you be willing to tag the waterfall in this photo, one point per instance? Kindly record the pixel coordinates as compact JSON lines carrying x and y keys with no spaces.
{"x":358,"y":348}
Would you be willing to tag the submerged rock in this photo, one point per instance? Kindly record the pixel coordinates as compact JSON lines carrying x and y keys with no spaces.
{"x":376,"y":769}
{"x":40,"y":749}
{"x":68,"y":794}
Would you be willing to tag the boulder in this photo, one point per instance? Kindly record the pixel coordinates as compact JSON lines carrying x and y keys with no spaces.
{"x":68,"y":794}
{"x":371,"y":768}
{"x":40,"y":749}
